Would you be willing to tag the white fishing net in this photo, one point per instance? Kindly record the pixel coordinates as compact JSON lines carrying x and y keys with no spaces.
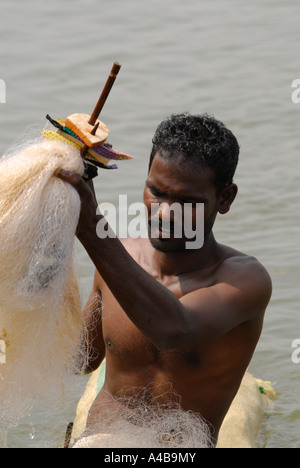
{"x":137,"y":421}
{"x":41,"y":322}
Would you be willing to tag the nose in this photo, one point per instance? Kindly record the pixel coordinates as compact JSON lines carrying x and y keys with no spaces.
{"x":164,"y":210}
{"x":169,"y":212}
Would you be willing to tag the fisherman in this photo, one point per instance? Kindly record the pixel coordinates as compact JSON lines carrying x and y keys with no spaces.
{"x":189,"y":318}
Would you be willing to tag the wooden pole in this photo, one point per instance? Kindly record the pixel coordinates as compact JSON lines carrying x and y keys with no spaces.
{"x":106,"y":90}
{"x":85,"y":147}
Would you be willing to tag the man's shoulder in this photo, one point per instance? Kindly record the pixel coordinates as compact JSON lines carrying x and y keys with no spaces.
{"x":242,"y":269}
{"x":240,"y":261}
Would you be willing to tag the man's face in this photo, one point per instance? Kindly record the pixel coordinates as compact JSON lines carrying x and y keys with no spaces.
{"x":171,"y":183}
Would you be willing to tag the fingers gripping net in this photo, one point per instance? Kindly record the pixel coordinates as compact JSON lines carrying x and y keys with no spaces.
{"x":40,"y":308}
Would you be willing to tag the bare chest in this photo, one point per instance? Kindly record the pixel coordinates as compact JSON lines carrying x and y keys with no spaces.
{"x":128,"y":346}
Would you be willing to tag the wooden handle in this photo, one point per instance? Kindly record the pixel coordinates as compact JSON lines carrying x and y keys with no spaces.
{"x":106,"y":90}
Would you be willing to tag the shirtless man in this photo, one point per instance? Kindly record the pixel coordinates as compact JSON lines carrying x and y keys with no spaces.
{"x":191,"y":318}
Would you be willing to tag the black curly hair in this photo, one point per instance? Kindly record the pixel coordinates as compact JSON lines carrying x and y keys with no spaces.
{"x":199,"y":139}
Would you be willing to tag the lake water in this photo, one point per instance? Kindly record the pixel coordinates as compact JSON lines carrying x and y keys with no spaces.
{"x":233,"y":59}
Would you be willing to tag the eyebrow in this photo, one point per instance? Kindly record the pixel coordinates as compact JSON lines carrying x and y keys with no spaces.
{"x":153,"y":187}
{"x":179,"y":197}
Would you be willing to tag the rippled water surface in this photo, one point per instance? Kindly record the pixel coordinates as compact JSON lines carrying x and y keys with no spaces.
{"x":233,"y":59}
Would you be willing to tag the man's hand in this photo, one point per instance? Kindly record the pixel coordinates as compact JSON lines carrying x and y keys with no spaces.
{"x":88,"y":217}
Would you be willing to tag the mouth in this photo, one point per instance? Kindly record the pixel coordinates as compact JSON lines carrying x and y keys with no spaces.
{"x":161,"y":230}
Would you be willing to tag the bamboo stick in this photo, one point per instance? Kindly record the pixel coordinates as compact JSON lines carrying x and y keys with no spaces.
{"x":106,"y":90}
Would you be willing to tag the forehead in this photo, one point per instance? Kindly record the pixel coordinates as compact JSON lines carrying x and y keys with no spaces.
{"x":173,"y":176}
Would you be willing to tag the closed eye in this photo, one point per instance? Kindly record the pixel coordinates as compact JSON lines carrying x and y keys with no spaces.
{"x":155,"y":191}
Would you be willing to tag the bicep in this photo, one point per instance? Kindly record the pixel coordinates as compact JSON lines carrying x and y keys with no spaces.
{"x":211,"y":313}
{"x":214,"y":311}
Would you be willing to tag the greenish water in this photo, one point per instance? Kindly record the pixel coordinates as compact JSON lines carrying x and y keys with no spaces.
{"x":233,"y":59}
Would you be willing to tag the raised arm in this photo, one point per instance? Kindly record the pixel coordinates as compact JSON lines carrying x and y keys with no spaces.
{"x":200,"y":316}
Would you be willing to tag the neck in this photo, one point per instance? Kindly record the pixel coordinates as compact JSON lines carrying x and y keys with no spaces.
{"x":176,"y":263}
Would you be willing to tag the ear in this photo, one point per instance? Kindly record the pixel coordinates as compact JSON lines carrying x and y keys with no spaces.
{"x":227,"y":198}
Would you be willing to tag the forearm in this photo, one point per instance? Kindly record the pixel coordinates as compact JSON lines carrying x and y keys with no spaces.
{"x":150,"y":306}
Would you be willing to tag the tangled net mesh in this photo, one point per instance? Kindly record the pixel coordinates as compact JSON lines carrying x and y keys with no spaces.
{"x":134,"y":420}
{"x":41,"y":323}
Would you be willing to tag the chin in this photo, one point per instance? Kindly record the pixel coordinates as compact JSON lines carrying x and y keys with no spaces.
{"x":167,"y":245}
